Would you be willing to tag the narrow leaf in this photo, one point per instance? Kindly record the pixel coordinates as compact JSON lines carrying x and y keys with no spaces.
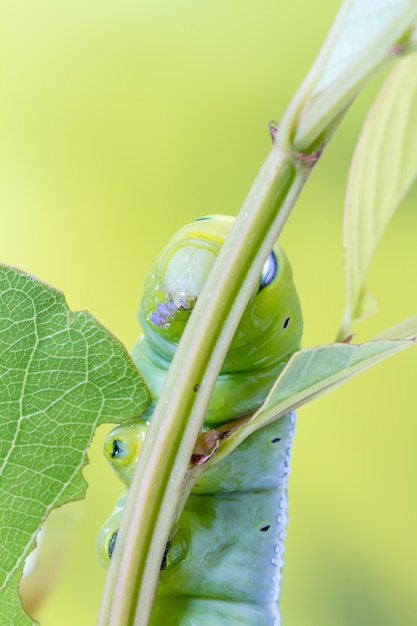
{"x":362,"y":27}
{"x":61,"y":375}
{"x":365,"y":36}
{"x":309,"y":374}
{"x":404,"y":330}
{"x":383,"y":169}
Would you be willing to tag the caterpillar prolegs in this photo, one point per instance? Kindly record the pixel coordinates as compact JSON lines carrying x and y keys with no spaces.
{"x":223,"y":561}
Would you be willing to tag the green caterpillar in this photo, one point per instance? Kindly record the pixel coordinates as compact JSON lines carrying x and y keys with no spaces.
{"x":222,"y":563}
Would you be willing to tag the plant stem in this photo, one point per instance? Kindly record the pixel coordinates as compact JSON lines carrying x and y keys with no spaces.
{"x":179,"y":415}
{"x":178,"y":418}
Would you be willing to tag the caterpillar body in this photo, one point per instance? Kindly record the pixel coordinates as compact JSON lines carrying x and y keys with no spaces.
{"x":223,"y":560}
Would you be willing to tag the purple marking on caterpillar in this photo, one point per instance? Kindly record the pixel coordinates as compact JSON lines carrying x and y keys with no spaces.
{"x":164,"y":313}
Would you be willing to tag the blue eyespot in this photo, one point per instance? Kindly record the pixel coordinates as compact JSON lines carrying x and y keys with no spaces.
{"x":269,"y":271}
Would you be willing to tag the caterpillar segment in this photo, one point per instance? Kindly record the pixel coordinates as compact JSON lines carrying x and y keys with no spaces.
{"x":222,"y":564}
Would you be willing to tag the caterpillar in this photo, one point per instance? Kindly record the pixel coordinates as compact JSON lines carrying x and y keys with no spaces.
{"x":222,"y":563}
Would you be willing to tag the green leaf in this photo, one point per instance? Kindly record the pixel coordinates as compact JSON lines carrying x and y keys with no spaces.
{"x":61,"y":375}
{"x":365,"y":36}
{"x":308,"y":374}
{"x":383,"y":169}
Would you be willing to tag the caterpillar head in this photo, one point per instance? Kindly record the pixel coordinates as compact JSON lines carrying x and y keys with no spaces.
{"x":176,"y":279}
{"x":270,"y":329}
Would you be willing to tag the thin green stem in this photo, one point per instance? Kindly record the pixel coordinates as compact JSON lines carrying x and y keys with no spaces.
{"x":156,"y":489}
{"x":179,"y":415}
{"x":288,"y":126}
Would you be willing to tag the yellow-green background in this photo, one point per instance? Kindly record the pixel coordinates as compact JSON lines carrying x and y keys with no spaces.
{"x":121,"y":120}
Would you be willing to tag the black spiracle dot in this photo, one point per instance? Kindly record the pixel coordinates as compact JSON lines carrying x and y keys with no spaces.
{"x":112,"y":542}
{"x":286,"y":322}
{"x":275,"y":439}
{"x":164,"y":558}
{"x":264,"y":529}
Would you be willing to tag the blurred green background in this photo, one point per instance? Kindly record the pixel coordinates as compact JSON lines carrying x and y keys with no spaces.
{"x":120,"y":122}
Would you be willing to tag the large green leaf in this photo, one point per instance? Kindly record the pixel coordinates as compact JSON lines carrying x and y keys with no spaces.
{"x":308,"y":374}
{"x":61,"y":375}
{"x":383,"y":169}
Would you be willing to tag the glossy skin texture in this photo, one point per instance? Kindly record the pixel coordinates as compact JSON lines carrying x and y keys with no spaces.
{"x":268,"y":333}
{"x":107,"y":534}
{"x":229,"y":542}
{"x":222,"y":563}
{"x":123,"y":445}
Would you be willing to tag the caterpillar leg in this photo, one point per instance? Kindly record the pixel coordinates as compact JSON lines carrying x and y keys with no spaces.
{"x":108,"y":533}
{"x":223,"y":564}
{"x":182,"y":611}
